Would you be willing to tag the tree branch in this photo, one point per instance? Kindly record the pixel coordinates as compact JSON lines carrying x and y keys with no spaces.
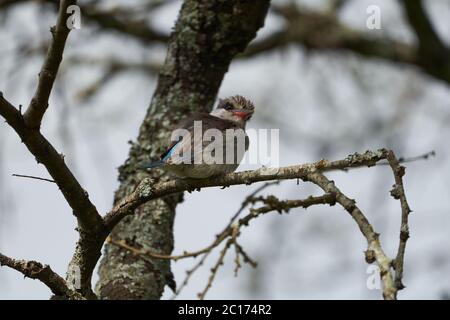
{"x":374,"y":247}
{"x":35,"y":270}
{"x":433,"y":54}
{"x":148,"y":189}
{"x":90,"y":223}
{"x":47,"y":75}
{"x":398,"y":192}
{"x":45,"y":153}
{"x":272,"y":204}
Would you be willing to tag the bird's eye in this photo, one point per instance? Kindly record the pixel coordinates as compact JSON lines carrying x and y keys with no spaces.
{"x":228,"y":106}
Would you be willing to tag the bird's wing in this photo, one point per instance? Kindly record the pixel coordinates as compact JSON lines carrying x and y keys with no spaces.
{"x":183,"y":146}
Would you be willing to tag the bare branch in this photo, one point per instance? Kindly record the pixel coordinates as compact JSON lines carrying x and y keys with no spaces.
{"x":189,"y":274}
{"x":247,"y":259}
{"x":148,"y":190}
{"x":273,"y":204}
{"x":398,"y":192}
{"x":374,"y":251}
{"x":197,"y":265}
{"x":229,"y":234}
{"x":35,"y":270}
{"x":214,"y":270}
{"x":47,"y":75}
{"x":46,"y":154}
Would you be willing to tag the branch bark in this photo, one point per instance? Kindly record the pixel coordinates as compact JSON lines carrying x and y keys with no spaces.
{"x":398,"y":192}
{"x":35,"y":270}
{"x":149,"y":189}
{"x":374,"y":246}
{"x":47,"y":75}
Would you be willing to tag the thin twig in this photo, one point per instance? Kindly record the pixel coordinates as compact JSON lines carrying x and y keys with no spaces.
{"x":214,"y":269}
{"x":234,"y":234}
{"x":33,"y":177}
{"x":244,"y":204}
{"x":231,"y":232}
{"x":272,"y":205}
{"x":424,"y":156}
{"x":189,"y":274}
{"x":249,"y":199}
{"x":247,"y":258}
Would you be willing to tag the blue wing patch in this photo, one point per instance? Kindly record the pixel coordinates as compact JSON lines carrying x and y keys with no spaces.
{"x":169,"y":152}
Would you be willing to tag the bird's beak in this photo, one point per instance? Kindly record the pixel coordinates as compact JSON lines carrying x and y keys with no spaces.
{"x":243,"y":114}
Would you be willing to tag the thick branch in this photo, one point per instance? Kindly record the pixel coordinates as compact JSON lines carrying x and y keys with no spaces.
{"x":46,"y":154}
{"x":47,"y":75}
{"x":35,"y":270}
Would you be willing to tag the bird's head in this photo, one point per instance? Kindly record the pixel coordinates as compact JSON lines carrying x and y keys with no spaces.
{"x":237,"y":109}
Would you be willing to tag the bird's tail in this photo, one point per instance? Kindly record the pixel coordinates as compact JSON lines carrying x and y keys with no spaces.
{"x":151,"y":165}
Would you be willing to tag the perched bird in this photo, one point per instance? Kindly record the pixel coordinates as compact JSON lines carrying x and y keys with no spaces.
{"x":209,"y":144}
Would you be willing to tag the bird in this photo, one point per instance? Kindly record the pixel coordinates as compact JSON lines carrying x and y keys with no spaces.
{"x":208,"y":144}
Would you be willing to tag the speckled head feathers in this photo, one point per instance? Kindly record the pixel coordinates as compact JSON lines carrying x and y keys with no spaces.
{"x":238,"y":102}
